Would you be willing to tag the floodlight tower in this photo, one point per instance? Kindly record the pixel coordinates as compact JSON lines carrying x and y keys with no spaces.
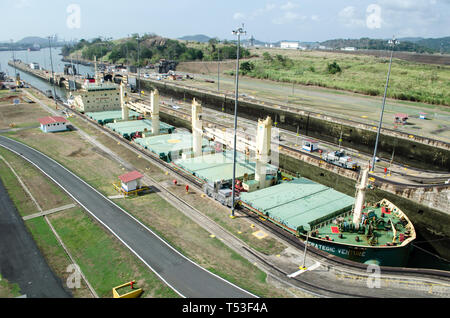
{"x":237,"y":32}
{"x":391,"y":43}
{"x":53,"y":72}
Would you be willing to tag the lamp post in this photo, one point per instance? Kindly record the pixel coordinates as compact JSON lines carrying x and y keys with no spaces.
{"x":237,"y":32}
{"x":218,"y":70}
{"x":14,"y":58}
{"x":139,"y":68}
{"x":53,"y":73}
{"x":392,"y":43}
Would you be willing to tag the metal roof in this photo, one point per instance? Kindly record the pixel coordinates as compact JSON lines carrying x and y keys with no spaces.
{"x":52,"y":120}
{"x":131,"y":176}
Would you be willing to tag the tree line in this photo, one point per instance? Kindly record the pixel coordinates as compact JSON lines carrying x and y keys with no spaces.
{"x":151,"y":48}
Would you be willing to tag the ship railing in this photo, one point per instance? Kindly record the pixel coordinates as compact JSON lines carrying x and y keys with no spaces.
{"x":330,"y":221}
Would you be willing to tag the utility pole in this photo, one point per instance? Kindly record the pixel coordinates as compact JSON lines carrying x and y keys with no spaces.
{"x":303,"y":267}
{"x":218,"y":70}
{"x":139,"y":68}
{"x":14,"y":58}
{"x":237,"y":32}
{"x":392,"y":43}
{"x":53,"y":73}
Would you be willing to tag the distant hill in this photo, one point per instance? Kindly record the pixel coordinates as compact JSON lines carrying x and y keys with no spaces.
{"x":196,"y":38}
{"x":437,"y":44}
{"x":33,"y":40}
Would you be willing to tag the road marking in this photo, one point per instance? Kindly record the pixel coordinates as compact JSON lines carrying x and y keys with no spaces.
{"x":25,"y":188}
{"x":62,"y":208}
{"x":313,"y":267}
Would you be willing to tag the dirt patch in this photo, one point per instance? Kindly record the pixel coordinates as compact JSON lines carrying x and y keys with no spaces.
{"x":78,"y":153}
{"x":206,"y":68}
{"x":10,"y":98}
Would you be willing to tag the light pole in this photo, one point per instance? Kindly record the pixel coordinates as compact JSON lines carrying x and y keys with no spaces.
{"x":218,"y":70}
{"x":303,"y":267}
{"x":14,"y":59}
{"x":139,"y":68}
{"x":392,"y":43}
{"x":237,"y":32}
{"x":53,"y":74}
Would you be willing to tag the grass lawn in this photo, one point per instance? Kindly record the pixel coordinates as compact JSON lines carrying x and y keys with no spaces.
{"x":93,"y":248}
{"x":197,"y":244}
{"x":48,"y":194}
{"x":8,"y":290}
{"x":103,"y":259}
{"x":359,"y":73}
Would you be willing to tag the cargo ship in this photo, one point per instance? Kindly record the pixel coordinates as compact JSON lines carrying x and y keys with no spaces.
{"x":371,"y":233}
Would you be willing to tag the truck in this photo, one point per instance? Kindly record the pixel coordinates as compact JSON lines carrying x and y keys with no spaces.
{"x":339,"y":158}
{"x":220,"y":191}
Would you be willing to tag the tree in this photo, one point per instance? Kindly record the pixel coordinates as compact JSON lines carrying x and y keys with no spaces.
{"x":247,"y":67}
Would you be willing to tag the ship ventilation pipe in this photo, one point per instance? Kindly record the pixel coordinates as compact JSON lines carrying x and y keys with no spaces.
{"x":123,"y":102}
{"x":154,"y":104}
{"x":197,"y":128}
{"x":263,"y":140}
{"x":360,"y":197}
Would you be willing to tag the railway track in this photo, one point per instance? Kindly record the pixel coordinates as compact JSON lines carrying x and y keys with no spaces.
{"x":333,"y":261}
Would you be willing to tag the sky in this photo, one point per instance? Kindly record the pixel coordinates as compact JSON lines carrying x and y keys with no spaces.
{"x":268,"y":21}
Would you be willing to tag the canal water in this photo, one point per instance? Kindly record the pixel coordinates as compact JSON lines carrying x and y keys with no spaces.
{"x":43,"y":58}
{"x":422,"y":256}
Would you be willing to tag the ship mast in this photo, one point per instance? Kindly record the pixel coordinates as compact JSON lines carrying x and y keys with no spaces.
{"x":360,"y":197}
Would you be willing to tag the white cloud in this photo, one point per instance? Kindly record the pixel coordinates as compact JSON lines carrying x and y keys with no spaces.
{"x":315,"y":17}
{"x":289,"y":6}
{"x":409,"y":15}
{"x":288,"y":17}
{"x":347,"y":12}
{"x":21,"y":4}
{"x":239,"y":16}
{"x":349,"y":17}
{"x":261,"y":11}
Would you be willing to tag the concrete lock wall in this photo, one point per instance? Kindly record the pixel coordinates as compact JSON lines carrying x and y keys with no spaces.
{"x":415,"y":151}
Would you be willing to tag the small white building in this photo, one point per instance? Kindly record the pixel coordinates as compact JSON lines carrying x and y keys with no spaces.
{"x":53,"y":124}
{"x":290,"y":45}
{"x":348,"y":48}
{"x":131,"y":181}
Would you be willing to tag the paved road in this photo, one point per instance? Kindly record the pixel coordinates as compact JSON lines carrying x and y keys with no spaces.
{"x":21,"y":262}
{"x":185,"y":277}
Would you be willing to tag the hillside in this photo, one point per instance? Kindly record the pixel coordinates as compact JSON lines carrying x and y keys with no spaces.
{"x":439,"y":45}
{"x":377,"y":44}
{"x":33,"y":40}
{"x":196,"y":38}
{"x":152,"y":48}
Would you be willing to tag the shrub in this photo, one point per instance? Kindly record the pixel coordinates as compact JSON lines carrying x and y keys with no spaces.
{"x":333,"y":68}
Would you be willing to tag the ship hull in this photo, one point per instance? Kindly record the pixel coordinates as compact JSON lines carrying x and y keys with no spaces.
{"x":392,"y":256}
